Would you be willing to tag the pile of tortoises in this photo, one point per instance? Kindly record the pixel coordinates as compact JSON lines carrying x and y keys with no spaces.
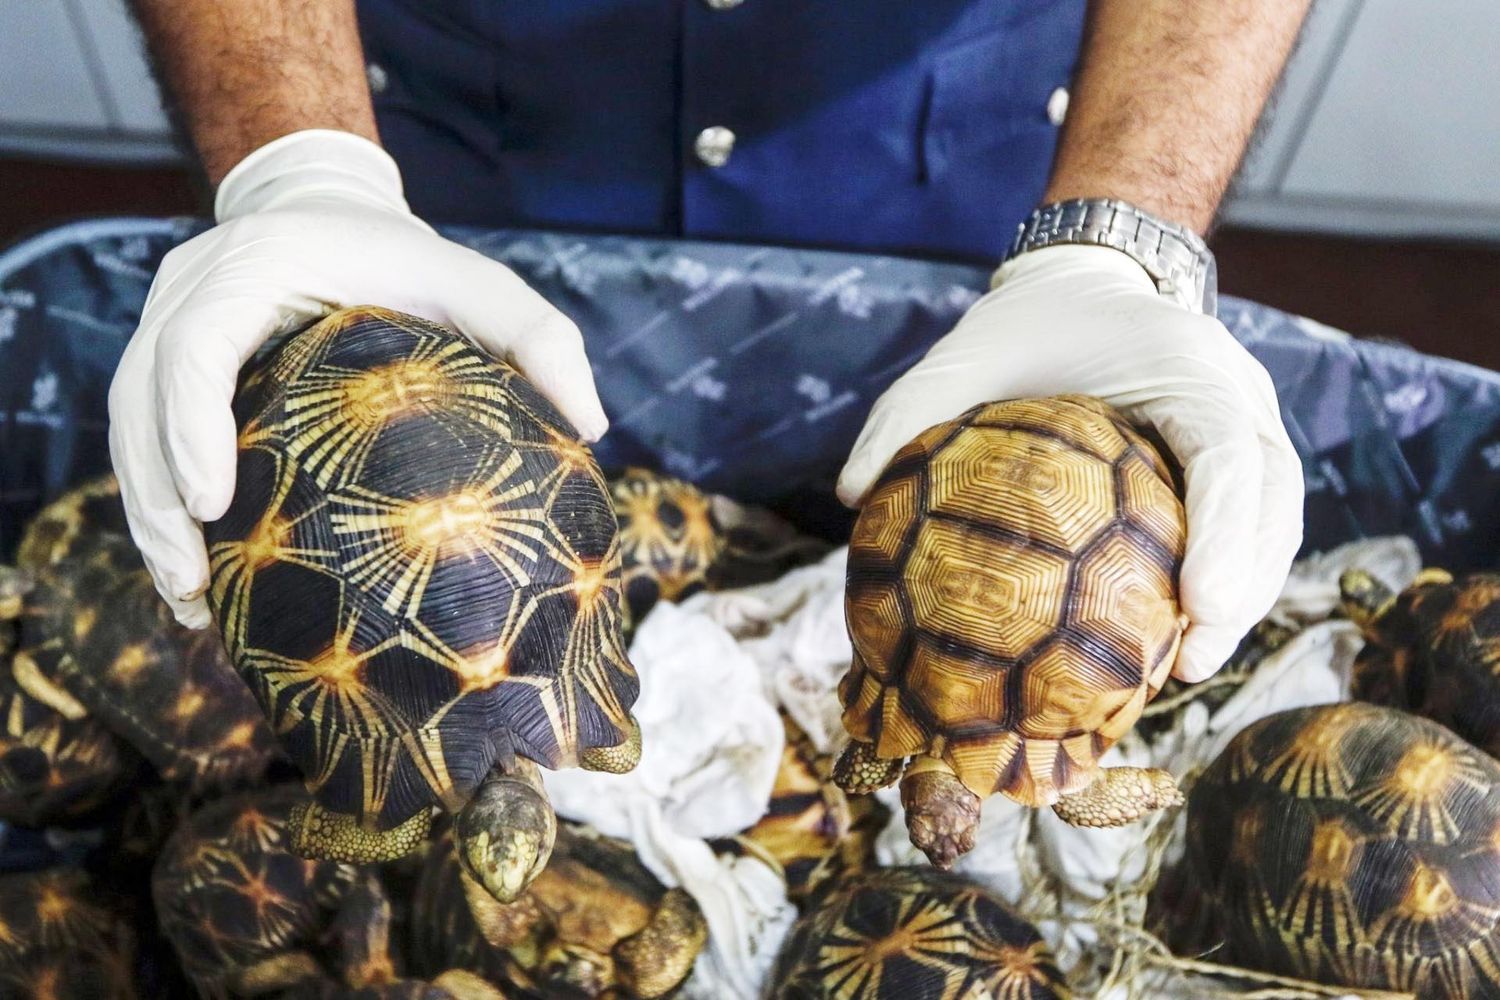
{"x":422,"y":596}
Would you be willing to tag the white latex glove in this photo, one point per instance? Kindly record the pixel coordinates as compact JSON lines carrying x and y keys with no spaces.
{"x":310,"y":223}
{"x":1088,"y":319}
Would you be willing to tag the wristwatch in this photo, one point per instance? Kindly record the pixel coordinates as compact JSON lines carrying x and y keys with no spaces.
{"x":1175,"y":257}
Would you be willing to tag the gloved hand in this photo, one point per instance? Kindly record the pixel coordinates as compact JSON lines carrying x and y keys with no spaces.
{"x":308,"y":224}
{"x":1088,"y":319}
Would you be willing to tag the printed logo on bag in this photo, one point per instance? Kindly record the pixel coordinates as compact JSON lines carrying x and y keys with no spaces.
{"x":1407,"y":398}
{"x":689,"y":272}
{"x":814,"y":388}
{"x":44,"y":392}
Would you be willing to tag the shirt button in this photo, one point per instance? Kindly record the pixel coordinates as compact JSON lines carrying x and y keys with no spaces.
{"x":1057,"y":106}
{"x":713,"y":145}
{"x":377,"y":77}
{"x":723,"y":4}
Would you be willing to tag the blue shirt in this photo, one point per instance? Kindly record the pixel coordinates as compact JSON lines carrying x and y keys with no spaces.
{"x":905,"y":126}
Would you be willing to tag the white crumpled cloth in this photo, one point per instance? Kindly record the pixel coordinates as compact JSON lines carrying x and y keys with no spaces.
{"x":715,"y":668}
{"x":711,"y":745}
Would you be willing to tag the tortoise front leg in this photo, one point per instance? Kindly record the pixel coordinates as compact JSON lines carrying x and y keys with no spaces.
{"x":859,"y":771}
{"x":618,"y":759}
{"x":505,"y":834}
{"x":1120,"y":795}
{"x":942,"y":815}
{"x":653,"y":961}
{"x":316,"y":832}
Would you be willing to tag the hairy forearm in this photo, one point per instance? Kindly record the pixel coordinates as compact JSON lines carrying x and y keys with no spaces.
{"x":244,"y":72}
{"x":1167,"y":99}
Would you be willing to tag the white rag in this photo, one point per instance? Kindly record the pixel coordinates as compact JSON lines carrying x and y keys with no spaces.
{"x":711,"y":745}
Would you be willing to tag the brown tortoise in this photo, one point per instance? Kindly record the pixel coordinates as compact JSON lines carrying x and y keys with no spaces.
{"x":913,"y":934}
{"x":53,"y":770}
{"x":1354,"y":845}
{"x":594,"y":924}
{"x":1012,"y":601}
{"x":812,"y":831}
{"x":1433,"y":649}
{"x":103,"y":672}
{"x":60,"y":938}
{"x":419,"y":576}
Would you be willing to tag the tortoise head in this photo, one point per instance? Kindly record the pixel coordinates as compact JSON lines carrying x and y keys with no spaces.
{"x":504,"y":835}
{"x":1364,"y":598}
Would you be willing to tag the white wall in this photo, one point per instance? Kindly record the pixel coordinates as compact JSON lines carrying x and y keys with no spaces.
{"x":1388,"y":122}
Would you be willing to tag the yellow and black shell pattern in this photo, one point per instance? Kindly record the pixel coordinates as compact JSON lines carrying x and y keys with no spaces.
{"x":97,"y":642}
{"x":232,"y":898}
{"x":1435,"y":651}
{"x":669,"y":538}
{"x":1354,"y":845}
{"x":54,"y":770}
{"x":419,"y":571}
{"x":907,"y":933}
{"x":87,"y":510}
{"x":62,"y":937}
{"x":812,"y":830}
{"x":1012,"y":595}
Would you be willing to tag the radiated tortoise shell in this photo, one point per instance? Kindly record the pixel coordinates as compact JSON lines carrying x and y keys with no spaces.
{"x":1355,"y":845}
{"x":913,"y":934}
{"x":1433,"y":649}
{"x":419,"y":577}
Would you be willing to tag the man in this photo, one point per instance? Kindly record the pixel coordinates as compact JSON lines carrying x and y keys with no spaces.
{"x":930,"y":127}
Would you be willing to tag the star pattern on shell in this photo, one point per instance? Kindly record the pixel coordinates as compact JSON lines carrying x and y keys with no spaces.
{"x":894,"y":933}
{"x":98,"y":641}
{"x":1385,"y":830}
{"x":230,"y":894}
{"x":414,"y":576}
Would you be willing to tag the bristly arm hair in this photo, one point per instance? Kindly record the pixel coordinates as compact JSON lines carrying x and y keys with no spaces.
{"x":1167,"y":98}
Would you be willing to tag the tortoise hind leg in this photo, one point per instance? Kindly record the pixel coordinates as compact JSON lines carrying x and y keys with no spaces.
{"x":505,"y":834}
{"x":316,"y":832}
{"x":618,"y":759}
{"x":942,"y":815}
{"x":859,"y":771}
{"x":1120,"y":795}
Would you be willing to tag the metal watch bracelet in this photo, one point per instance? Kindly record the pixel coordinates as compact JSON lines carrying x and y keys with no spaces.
{"x":1175,"y":257}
